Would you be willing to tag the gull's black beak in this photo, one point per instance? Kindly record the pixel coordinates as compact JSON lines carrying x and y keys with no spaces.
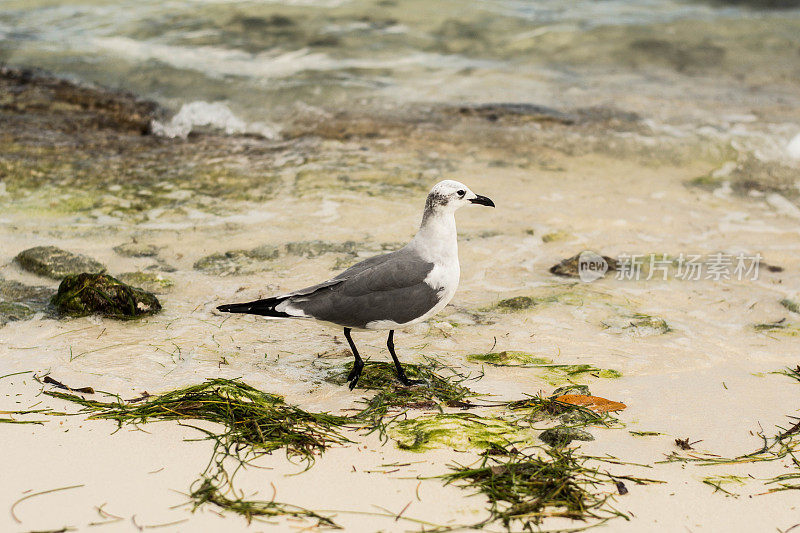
{"x":482,"y":200}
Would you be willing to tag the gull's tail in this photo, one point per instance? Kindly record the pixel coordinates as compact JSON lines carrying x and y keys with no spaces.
{"x":265,"y":307}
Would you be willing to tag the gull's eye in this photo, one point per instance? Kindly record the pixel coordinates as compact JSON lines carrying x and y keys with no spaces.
{"x":461,"y":193}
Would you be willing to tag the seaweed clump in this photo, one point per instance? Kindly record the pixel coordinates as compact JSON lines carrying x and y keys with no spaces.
{"x":252,"y":418}
{"x":86,"y":294}
{"x":436,"y":391}
{"x":255,"y":423}
{"x":526,"y":488}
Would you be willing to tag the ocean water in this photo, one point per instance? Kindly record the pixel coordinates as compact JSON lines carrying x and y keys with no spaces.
{"x":684,"y":65}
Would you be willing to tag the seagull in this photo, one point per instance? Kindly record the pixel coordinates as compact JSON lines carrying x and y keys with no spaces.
{"x":389,"y":291}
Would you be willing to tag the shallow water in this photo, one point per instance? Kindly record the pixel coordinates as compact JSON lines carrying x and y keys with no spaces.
{"x":678,"y":119}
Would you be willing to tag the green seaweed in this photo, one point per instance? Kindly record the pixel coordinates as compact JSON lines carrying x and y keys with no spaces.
{"x":553,"y":373}
{"x":718,"y":481}
{"x":791,"y":305}
{"x":258,"y":420}
{"x":782,"y":327}
{"x":525,"y":488}
{"x":457,"y":430}
{"x":517,"y":303}
{"x":210,"y":490}
{"x":434,"y":392}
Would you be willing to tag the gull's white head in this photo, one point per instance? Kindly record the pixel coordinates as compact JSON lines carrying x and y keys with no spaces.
{"x":449,"y":195}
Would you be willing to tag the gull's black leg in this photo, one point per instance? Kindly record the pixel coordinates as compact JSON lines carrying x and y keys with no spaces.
{"x":401,"y":374}
{"x":358,"y":364}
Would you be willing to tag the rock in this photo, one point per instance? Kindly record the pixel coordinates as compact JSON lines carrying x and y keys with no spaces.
{"x":569,"y":267}
{"x":516,"y":112}
{"x":87,"y":294}
{"x":136,"y":249}
{"x":571,"y":389}
{"x":517,"y":303}
{"x":20,"y":302}
{"x":56,"y":263}
{"x":35,"y":297}
{"x":34,"y":92}
{"x":149,"y":281}
{"x":562,"y":436}
{"x":238,"y":261}
{"x":10,"y":311}
{"x":316,"y":248}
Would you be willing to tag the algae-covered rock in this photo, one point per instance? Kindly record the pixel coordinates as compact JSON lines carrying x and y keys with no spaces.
{"x":136,"y":249}
{"x":11,"y":311}
{"x":517,"y":303}
{"x":87,"y":294}
{"x":569,"y":267}
{"x":56,"y":263}
{"x":149,"y":281}
{"x":562,"y":436}
{"x":35,"y":297}
{"x":20,"y":302}
{"x":238,"y":261}
{"x":316,"y":248}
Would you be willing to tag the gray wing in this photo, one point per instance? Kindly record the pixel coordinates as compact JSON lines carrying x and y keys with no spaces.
{"x":385,"y":287}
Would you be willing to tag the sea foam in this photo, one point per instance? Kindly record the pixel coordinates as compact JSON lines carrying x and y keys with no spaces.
{"x":209,"y":114}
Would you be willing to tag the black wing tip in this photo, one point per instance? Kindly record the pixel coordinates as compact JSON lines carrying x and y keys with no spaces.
{"x":264,"y":307}
{"x":234,"y":308}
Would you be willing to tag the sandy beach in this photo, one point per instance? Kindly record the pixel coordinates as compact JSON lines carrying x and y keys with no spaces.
{"x":246,"y":203}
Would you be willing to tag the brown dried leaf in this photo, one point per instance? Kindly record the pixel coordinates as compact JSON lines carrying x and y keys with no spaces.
{"x":595,"y":403}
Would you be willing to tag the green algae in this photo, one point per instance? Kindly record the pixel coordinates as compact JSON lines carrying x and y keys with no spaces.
{"x":553,"y":373}
{"x":148,"y":281}
{"x":572,"y":294}
{"x":555,"y":236}
{"x":316,"y":248}
{"x":238,"y":262}
{"x":517,"y":303}
{"x":508,"y":358}
{"x":12,"y":311}
{"x":87,"y":294}
{"x":459,"y":431}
